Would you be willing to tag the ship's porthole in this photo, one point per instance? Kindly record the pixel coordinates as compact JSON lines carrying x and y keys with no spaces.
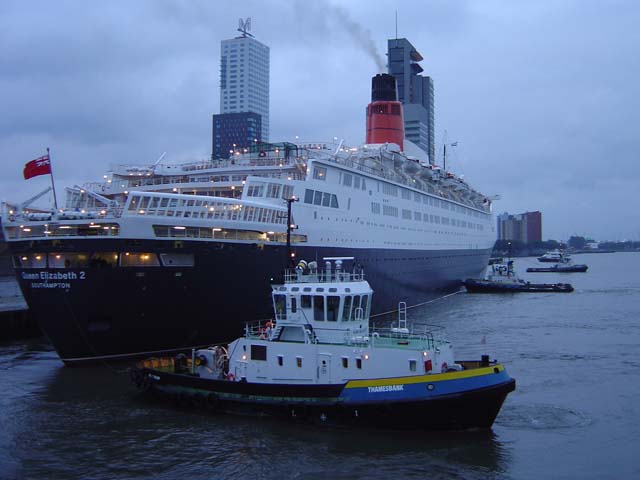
{"x":430,"y":386}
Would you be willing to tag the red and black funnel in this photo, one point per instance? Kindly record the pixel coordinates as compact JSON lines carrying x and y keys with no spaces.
{"x":385,"y":123}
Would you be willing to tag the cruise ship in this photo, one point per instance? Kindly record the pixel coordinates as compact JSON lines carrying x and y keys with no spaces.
{"x":167,"y":257}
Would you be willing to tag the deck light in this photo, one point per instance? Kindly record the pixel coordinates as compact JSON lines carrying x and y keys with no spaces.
{"x":366,"y":356}
{"x":244,"y":356}
{"x":26,"y":229}
{"x":270,"y":233}
{"x":24,"y":259}
{"x":217,"y":229}
{"x":179,"y":227}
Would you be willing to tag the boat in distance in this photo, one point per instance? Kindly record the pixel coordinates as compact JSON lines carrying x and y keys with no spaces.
{"x":135,"y":263}
{"x":563,"y":265}
{"x":559,"y":267}
{"x":503,"y":279}
{"x":319,"y":361}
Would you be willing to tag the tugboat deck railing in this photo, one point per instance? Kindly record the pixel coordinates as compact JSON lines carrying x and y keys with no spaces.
{"x":420,"y":337}
{"x":323,"y":276}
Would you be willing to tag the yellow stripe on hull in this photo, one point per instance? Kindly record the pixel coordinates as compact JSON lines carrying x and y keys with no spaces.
{"x":436,"y":377}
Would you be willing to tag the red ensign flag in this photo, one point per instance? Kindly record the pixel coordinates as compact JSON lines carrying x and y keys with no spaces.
{"x":39,"y":166}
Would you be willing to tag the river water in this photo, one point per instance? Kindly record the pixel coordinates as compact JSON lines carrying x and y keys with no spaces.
{"x":575,"y":412}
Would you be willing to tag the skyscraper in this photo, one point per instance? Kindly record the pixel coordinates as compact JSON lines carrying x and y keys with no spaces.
{"x":244,"y":77}
{"x":244,"y":94}
{"x":415,"y":92}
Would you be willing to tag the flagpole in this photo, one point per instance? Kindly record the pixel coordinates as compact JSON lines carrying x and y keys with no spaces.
{"x":53,"y":186}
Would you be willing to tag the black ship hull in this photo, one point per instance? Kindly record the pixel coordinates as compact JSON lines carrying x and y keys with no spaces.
{"x":107,"y":312}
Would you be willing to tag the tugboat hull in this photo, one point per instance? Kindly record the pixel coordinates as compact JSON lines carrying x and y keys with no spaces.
{"x":570,"y":269}
{"x":484,"y":286}
{"x":454,"y":400}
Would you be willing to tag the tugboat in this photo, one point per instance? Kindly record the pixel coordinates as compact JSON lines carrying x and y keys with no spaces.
{"x":563,"y":265}
{"x":503,"y":279}
{"x":319,"y":361}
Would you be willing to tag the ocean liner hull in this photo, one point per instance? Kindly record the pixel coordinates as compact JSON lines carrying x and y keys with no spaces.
{"x":108,"y":313}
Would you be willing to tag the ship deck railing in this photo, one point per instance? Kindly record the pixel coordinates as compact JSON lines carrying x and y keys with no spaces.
{"x":323,"y":276}
{"x":419,"y":337}
{"x":429,"y":186}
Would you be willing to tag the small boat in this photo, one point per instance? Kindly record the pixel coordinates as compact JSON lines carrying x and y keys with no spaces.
{"x":564,"y":265}
{"x":551,"y":256}
{"x":503,"y":279}
{"x":319,"y":361}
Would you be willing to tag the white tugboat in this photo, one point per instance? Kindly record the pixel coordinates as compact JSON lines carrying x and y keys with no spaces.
{"x":318,"y":360}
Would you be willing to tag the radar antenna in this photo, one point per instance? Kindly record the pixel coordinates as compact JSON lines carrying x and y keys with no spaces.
{"x":244,"y":26}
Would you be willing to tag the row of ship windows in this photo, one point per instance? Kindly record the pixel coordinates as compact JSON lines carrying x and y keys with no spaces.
{"x":391,"y":211}
{"x":320,"y":173}
{"x":354,"y":309}
{"x":316,"y":197}
{"x":102,"y":259}
{"x":180,"y":231}
{"x":272,"y":190}
{"x":259,"y":352}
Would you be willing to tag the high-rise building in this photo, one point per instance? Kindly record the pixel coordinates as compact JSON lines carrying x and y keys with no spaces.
{"x":244,"y":86}
{"x":235,"y":131}
{"x":524,"y":227}
{"x":415,"y":92}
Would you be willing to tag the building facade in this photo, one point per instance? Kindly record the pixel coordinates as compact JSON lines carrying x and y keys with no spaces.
{"x":235,"y":131}
{"x":523,"y":227}
{"x":416,"y":92}
{"x":244,"y":88}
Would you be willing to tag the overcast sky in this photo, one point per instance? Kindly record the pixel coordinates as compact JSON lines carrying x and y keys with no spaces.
{"x":543,"y":97}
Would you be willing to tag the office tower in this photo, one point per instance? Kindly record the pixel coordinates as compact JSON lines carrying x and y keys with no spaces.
{"x":244,"y":93}
{"x":415,"y":92}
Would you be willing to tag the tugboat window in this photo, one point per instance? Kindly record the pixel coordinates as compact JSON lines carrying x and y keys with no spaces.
{"x":363,"y":305}
{"x":318,"y":308}
{"x":259,"y":352}
{"x":354,"y":306}
{"x":299,"y":362}
{"x":347,"y":308}
{"x":345,"y":362}
{"x":280,"y":304}
{"x":333,"y":304}
{"x":280,"y":360}
{"x":294,"y":305}
{"x":358,"y":363}
{"x":412,"y":365}
{"x":305,"y":301}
